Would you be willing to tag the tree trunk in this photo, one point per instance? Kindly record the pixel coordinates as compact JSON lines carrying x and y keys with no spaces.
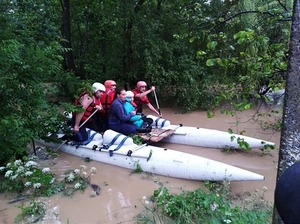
{"x":289,"y":151}
{"x":127,"y":59}
{"x":66,"y":33}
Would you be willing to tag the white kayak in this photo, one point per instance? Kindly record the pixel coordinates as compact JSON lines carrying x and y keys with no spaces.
{"x":117,"y":149}
{"x":207,"y":137}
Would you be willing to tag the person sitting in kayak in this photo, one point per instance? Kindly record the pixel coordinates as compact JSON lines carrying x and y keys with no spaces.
{"x":87,"y":107}
{"x":106,"y":100}
{"x":118,"y":120}
{"x":99,"y":90}
{"x":140,"y":97}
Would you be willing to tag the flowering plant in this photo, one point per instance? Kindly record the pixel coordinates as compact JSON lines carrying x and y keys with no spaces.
{"x":77,"y":179}
{"x":25,"y":175}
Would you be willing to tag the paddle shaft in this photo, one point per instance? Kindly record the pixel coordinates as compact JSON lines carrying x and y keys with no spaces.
{"x":156,"y":102}
{"x":83,"y":123}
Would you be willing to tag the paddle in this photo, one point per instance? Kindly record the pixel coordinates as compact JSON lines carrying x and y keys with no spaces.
{"x":156,"y":102}
{"x":83,"y":123}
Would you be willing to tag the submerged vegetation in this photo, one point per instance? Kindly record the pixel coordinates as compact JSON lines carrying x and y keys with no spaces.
{"x":213,"y":205}
{"x":28,"y":180}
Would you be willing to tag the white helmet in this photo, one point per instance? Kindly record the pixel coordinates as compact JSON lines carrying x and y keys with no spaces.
{"x":129,"y":94}
{"x":98,"y":86}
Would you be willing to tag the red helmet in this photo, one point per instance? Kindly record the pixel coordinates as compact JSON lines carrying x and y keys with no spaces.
{"x":109,"y":83}
{"x":141,"y":84}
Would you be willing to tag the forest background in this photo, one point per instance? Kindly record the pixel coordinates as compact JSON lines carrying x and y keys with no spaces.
{"x":198,"y":54}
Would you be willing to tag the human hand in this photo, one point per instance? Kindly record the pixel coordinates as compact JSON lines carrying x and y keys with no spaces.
{"x":152,"y":88}
{"x":76,"y":128}
{"x":98,"y":107}
{"x":133,"y":112}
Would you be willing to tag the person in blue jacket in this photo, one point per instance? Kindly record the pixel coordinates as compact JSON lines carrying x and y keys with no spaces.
{"x":129,"y":107}
{"x":118,"y":119}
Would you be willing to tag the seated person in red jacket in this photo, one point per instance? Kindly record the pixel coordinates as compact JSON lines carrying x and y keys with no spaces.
{"x":99,"y":90}
{"x":140,"y":97}
{"x":106,"y":100}
{"x":86,"y":108}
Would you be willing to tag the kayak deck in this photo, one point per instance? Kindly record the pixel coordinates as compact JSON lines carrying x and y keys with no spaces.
{"x":156,"y":134}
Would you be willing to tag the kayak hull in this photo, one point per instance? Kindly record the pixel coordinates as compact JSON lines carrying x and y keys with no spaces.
{"x":204,"y":137}
{"x":155,"y":160}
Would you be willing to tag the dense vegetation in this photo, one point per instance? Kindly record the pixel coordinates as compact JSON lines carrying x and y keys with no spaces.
{"x":198,"y":54}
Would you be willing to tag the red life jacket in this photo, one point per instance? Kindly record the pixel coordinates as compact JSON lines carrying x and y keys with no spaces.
{"x":139,"y":101}
{"x":89,"y":109}
{"x":106,"y":100}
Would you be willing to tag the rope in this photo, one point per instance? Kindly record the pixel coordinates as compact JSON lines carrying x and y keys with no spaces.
{"x":162,"y":124}
{"x":112,"y":142}
{"x":118,"y":147}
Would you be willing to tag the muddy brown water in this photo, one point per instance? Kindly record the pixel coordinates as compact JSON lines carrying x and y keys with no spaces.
{"x":124,"y":195}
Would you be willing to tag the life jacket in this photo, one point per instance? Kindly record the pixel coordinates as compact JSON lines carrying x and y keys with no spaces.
{"x":138,"y":102}
{"x":106,"y":100}
{"x":87,"y":104}
{"x":97,"y":101}
{"x":88,"y":111}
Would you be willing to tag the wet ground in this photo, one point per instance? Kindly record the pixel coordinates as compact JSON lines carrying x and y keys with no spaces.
{"x":123,"y":195}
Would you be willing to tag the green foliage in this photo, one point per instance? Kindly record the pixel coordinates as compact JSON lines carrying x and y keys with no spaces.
{"x":138,"y":168}
{"x":137,"y":139}
{"x":25,"y":175}
{"x":201,"y":207}
{"x":30,"y":74}
{"x":35,"y":209}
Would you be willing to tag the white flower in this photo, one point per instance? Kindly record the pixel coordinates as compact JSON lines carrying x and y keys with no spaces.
{"x":18,"y":162}
{"x":8,"y":173}
{"x":28,"y":173}
{"x":27,"y":184}
{"x":52,"y":181}
{"x":214,"y":206}
{"x":8,"y":165}
{"x":71,"y":177}
{"x":46,"y":170}
{"x":93,"y":170}
{"x":30,"y":163}
{"x":14,"y":177}
{"x":77,"y":185}
{"x":20,"y":169}
{"x":77,"y":171}
{"x":227,"y":221}
{"x":2,"y":168}
{"x":37,"y":185}
{"x":84,"y":174}
{"x":82,"y":167}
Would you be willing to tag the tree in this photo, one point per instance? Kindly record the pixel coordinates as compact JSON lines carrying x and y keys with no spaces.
{"x":290,"y":135}
{"x":30,"y":69}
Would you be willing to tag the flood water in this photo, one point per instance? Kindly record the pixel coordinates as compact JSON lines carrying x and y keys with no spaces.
{"x":123,"y":195}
